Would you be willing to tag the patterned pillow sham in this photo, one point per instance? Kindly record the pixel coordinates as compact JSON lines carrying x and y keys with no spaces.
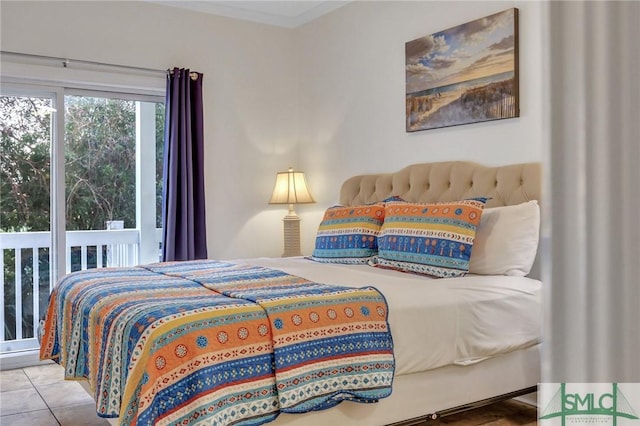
{"x":432,"y":239}
{"x":349,"y":234}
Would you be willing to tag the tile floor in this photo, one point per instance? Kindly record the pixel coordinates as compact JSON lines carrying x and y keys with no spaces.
{"x":38,"y":396}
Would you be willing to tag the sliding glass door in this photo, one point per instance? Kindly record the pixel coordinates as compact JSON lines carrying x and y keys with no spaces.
{"x":81,"y":189}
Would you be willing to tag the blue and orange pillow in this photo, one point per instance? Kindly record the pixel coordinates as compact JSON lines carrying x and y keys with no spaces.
{"x":433,"y":239}
{"x":349,"y":234}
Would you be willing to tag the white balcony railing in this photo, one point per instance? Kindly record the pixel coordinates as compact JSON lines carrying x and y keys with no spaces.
{"x":25,"y":262}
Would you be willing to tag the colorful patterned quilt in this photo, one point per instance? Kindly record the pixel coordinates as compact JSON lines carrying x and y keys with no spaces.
{"x":215,"y":342}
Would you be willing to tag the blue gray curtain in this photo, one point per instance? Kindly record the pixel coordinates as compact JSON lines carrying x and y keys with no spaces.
{"x":183,"y":207}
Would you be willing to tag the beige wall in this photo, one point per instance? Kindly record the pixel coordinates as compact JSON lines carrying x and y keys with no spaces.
{"x":353,"y":85}
{"x":326,"y":97}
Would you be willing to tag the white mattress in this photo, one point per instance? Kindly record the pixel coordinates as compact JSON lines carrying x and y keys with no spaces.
{"x":439,"y":322}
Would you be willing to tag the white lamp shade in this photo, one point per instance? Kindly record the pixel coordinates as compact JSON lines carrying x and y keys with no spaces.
{"x":291,"y":188}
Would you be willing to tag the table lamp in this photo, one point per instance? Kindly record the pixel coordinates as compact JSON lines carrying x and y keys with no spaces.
{"x":291,"y":188}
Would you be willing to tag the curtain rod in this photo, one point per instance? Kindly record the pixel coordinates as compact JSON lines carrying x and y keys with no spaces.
{"x":65,"y":62}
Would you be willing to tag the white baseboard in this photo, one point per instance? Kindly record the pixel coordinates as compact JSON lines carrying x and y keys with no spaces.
{"x":21,"y":359}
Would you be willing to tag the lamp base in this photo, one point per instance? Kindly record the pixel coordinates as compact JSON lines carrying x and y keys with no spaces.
{"x":291,"y":235}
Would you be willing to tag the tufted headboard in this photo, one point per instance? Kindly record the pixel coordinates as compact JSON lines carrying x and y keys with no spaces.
{"x":447,"y":181}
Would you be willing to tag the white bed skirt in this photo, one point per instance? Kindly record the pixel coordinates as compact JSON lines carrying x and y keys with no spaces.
{"x":420,"y":394}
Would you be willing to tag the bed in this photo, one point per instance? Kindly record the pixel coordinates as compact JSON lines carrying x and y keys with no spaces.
{"x":422,"y":346}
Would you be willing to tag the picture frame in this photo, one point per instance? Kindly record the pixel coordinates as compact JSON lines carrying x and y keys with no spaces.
{"x":465,"y":74}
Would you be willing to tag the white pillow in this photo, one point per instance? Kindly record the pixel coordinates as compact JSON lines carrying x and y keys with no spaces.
{"x":506,"y":240}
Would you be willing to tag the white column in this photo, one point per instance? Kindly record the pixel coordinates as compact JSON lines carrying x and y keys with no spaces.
{"x":592,"y":268}
{"x":146,"y":181}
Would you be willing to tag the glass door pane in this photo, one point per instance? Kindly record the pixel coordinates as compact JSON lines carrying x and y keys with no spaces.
{"x":109,"y":198}
{"x":104,"y":201}
{"x":100,"y":177}
{"x":25,"y":223}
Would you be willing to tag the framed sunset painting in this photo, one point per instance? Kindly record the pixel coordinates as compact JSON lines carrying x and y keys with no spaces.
{"x":466,"y":74}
